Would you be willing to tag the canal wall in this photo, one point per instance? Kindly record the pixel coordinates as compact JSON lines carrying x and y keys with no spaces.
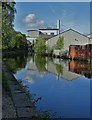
{"x":21,"y":103}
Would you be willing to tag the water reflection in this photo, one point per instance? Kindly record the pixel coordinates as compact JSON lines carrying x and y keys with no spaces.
{"x":81,"y":68}
{"x":16,"y":62}
{"x":40,"y":63}
{"x":68,"y":70}
{"x":63,"y":90}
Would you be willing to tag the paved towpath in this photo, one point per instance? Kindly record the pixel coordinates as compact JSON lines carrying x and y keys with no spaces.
{"x":19,"y":105}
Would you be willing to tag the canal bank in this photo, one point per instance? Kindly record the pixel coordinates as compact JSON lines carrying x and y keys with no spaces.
{"x":17,"y":105}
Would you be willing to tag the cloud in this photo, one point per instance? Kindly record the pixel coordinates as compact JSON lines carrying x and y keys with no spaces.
{"x":32,"y":21}
{"x":30,"y":18}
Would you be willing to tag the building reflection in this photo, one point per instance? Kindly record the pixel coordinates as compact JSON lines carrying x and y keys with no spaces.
{"x":61,"y":69}
{"x":68,"y":70}
{"x":82,"y":68}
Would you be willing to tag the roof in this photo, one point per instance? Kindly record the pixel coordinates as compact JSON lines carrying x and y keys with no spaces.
{"x":75,"y":31}
{"x":31,"y":30}
{"x":43,"y":29}
{"x":90,"y":38}
{"x":49,"y":29}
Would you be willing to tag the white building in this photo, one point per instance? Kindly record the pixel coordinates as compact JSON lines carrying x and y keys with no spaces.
{"x":46,"y":32}
{"x":32,"y":35}
{"x":49,"y":31}
{"x":71,"y":37}
{"x":90,"y":40}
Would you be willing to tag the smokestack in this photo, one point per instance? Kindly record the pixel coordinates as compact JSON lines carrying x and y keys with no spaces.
{"x":58,"y":26}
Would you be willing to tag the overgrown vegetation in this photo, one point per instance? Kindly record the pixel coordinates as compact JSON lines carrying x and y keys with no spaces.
{"x":11,"y":40}
{"x":60,"y":43}
{"x":39,"y":46}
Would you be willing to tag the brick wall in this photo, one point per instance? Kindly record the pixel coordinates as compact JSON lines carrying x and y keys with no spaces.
{"x":80,"y":51}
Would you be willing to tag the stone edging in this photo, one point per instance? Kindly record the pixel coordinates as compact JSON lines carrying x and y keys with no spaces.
{"x":19,"y":97}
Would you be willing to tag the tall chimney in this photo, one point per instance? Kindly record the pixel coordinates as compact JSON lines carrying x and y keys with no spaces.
{"x":58,"y":26}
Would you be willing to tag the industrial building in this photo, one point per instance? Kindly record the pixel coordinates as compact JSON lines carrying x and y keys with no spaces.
{"x":75,"y":44}
{"x":80,"y":51}
{"x":71,"y":37}
{"x":49,"y":31}
{"x":45,"y":33}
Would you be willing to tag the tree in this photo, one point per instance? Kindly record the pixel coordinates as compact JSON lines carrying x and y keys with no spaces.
{"x":60,"y":43}
{"x":8,"y":12}
{"x":21,"y":42}
{"x":39,"y":46}
{"x":10,"y":38}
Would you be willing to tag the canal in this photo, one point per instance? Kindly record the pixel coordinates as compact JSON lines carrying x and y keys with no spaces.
{"x":63,"y":86}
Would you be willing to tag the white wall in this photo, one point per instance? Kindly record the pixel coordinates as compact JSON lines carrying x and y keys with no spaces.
{"x":48,"y":32}
{"x":70,"y":38}
{"x":91,"y":41}
{"x":33,"y":34}
{"x":31,"y":39}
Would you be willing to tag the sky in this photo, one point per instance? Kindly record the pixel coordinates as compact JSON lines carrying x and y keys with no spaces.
{"x":52,"y":0}
{"x":35,"y":15}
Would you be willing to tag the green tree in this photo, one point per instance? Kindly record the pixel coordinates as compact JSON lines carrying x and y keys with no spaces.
{"x":8,"y":12}
{"x":39,"y":46}
{"x":21,"y":42}
{"x":60,"y":43}
{"x":10,"y":38}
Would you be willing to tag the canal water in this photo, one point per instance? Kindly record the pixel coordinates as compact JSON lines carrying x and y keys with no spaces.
{"x":62,"y":86}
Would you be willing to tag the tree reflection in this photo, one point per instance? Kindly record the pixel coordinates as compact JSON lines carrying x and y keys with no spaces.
{"x":59,"y":69}
{"x":16,"y":62}
{"x":40,"y":63}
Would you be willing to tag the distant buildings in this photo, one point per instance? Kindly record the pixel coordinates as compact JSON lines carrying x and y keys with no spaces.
{"x":49,"y":31}
{"x":44,"y":33}
{"x":75,"y":43}
{"x":72,"y":38}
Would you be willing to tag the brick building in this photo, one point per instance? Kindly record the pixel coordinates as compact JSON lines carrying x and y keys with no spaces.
{"x":80,"y":51}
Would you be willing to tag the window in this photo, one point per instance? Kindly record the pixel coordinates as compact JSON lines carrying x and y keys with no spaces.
{"x":52,"y":33}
